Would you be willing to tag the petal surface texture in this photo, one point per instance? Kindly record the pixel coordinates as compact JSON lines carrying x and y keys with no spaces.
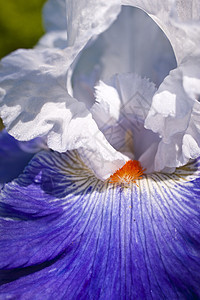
{"x":34,"y":102}
{"x":33,"y":93}
{"x":86,"y":18}
{"x":67,"y":235}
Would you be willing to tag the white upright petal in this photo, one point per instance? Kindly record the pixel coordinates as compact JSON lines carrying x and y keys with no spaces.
{"x":106,"y":109}
{"x":120,"y":110}
{"x":87,"y":18}
{"x":179,"y":19}
{"x":128,"y":45}
{"x":76,"y":22}
{"x":175,"y":116}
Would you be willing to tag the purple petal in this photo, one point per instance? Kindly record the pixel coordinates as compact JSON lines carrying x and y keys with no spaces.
{"x":67,"y":235}
{"x":13,"y":159}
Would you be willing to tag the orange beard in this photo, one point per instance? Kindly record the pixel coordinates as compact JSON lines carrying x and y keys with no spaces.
{"x":129,"y":173}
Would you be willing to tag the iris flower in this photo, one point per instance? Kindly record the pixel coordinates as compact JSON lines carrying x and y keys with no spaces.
{"x":112,"y":212}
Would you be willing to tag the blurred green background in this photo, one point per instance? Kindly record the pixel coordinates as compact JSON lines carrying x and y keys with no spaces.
{"x":20,"y":24}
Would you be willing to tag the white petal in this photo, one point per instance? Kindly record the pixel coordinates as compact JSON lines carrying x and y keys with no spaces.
{"x":106,"y":109}
{"x":85,"y":20}
{"x":126,"y":47}
{"x":101,"y":157}
{"x":175,"y":115}
{"x":82,"y":19}
{"x":147,"y":158}
{"x":128,"y":92}
{"x":178,"y":19}
{"x":83,"y":86}
{"x":190,"y":147}
{"x":33,"y":82}
{"x":34,"y":102}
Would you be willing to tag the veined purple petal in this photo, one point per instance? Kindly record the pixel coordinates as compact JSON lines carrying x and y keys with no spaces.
{"x":67,"y":235}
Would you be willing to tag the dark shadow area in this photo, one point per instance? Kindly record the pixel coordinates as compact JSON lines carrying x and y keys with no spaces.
{"x":7,"y":276}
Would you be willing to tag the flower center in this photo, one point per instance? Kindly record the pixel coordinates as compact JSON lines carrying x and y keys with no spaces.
{"x":129,"y":173}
